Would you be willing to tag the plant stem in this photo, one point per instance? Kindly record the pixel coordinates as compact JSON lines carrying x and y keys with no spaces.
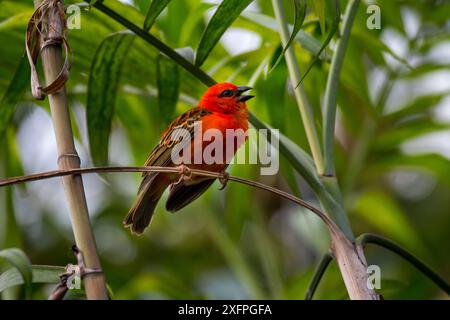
{"x":318,"y":273}
{"x":392,"y":246}
{"x":211,"y":174}
{"x":294,"y":72}
{"x":68,"y":159}
{"x":333,"y":86}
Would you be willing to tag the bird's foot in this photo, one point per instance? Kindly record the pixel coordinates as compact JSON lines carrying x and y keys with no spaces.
{"x":223,"y":179}
{"x":71,"y":279}
{"x":185,"y":173}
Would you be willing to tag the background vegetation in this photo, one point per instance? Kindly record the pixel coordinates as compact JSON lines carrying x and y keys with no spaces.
{"x":392,"y":149}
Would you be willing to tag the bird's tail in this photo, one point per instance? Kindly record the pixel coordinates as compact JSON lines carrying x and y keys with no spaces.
{"x":140,"y":215}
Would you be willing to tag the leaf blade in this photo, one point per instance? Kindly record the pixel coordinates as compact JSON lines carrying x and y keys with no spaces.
{"x":168,"y":79}
{"x":13,"y":93}
{"x":226,"y":13}
{"x":22,"y":264}
{"x":299,"y":18}
{"x":334,"y":29}
{"x":102,"y":88}
{"x":155,"y":9}
{"x":40,"y":274}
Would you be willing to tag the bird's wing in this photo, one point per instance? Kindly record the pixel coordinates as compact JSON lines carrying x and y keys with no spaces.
{"x":181,"y":195}
{"x":161,"y":154}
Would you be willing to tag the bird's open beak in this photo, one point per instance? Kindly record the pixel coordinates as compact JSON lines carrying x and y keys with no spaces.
{"x":242,"y":98}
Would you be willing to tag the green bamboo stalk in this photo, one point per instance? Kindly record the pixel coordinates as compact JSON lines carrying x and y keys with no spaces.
{"x":332,"y":88}
{"x":52,"y":62}
{"x":332,"y":205}
{"x":294,"y":72}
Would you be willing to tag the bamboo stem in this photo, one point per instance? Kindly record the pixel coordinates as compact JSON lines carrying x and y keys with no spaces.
{"x":52,"y":62}
{"x":211,"y":174}
{"x":303,"y":105}
{"x":349,"y":257}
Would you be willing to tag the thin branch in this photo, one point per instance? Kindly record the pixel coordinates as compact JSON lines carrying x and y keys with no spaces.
{"x":318,"y":274}
{"x":392,"y":246}
{"x":221,"y":176}
{"x":332,"y":88}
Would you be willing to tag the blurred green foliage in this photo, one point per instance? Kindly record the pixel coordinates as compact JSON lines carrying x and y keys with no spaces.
{"x":241,"y":242}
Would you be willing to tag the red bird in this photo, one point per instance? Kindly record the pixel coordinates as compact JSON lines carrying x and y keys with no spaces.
{"x":222,"y":108}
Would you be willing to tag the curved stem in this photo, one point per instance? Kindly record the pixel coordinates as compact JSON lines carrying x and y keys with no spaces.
{"x":318,"y":274}
{"x":392,"y":246}
{"x":221,"y":176}
{"x":332,"y":88}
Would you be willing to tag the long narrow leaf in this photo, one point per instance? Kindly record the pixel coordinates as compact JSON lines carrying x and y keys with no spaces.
{"x":299,"y":16}
{"x":14,"y":92}
{"x":307,"y":41}
{"x":21,"y":262}
{"x":226,"y":13}
{"x":334,"y":29}
{"x":40,"y":274}
{"x":168,"y":87}
{"x":319,"y":9}
{"x":102,"y":89}
{"x":153,"y":12}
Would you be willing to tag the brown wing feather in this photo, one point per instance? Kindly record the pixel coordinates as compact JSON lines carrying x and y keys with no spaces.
{"x":161,"y":154}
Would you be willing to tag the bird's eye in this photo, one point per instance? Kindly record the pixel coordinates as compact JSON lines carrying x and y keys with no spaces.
{"x":226,"y":93}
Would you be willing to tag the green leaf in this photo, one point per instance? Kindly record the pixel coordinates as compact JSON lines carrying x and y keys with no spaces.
{"x":305,"y":39}
{"x":334,"y":29}
{"x":168,"y":75}
{"x":102,"y":89}
{"x":299,"y":18}
{"x":272,"y":92}
{"x":391,"y":138}
{"x":21,"y":262}
{"x":319,"y":9}
{"x":418,"y":105}
{"x":155,"y":9}
{"x":14,"y":92}
{"x":226,"y":13}
{"x":430,"y":163}
{"x":40,"y":274}
{"x":375,"y":44}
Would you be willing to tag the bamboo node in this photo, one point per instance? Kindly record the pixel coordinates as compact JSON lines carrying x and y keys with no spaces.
{"x":69,"y":156}
{"x":61,"y":289}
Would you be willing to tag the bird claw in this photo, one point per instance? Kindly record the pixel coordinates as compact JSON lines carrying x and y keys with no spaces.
{"x":223,"y":179}
{"x":72,"y":271}
{"x":185,"y":173}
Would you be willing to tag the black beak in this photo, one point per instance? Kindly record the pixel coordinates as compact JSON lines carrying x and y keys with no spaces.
{"x":240,"y":91}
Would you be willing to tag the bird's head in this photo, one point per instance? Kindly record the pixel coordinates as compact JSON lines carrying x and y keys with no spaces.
{"x":225,"y":97}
